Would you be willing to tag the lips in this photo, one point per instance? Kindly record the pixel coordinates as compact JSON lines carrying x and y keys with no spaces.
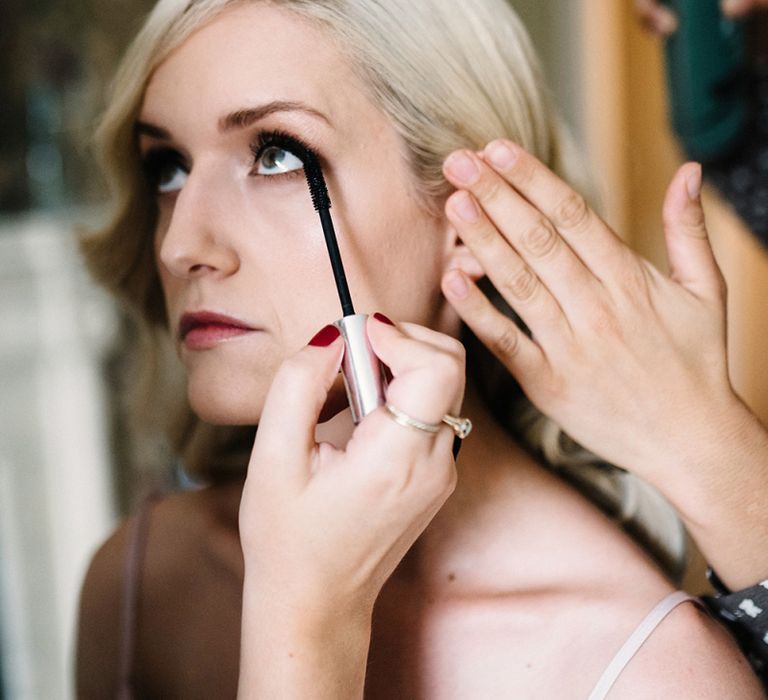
{"x":202,"y":330}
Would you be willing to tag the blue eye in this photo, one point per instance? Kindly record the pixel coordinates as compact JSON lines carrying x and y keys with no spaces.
{"x":275,"y":160}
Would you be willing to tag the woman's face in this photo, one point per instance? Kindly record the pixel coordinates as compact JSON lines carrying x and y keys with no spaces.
{"x":239,"y":237}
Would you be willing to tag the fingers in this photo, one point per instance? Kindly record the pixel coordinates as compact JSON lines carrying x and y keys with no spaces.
{"x":691,"y":260}
{"x":428,"y":370}
{"x":596,"y":245}
{"x":523,"y":357}
{"x":511,"y":275}
{"x":440,"y":341}
{"x":543,"y":219}
{"x":656,"y":17}
{"x":292,"y":407}
{"x":428,"y":382}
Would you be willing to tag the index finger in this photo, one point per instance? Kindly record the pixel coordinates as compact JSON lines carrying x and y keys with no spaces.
{"x":300,"y":387}
{"x":598,"y":247}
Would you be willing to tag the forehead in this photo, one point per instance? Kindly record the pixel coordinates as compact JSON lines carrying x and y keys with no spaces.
{"x":251,"y":54}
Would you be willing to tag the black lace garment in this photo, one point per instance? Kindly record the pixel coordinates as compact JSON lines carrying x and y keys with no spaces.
{"x":745,"y":614}
{"x":742,"y":176}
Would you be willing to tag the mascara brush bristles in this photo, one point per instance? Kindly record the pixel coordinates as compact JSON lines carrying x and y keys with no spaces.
{"x":322,"y":203}
{"x":317,"y":187}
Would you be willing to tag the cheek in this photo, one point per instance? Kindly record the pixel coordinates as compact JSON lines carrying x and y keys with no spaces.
{"x":289,"y":271}
{"x":394,"y":263}
{"x":170,"y":290}
{"x":393,"y":249}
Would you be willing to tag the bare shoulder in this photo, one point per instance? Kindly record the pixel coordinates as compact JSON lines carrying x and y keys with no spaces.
{"x":688,"y":655}
{"x":100,"y":624}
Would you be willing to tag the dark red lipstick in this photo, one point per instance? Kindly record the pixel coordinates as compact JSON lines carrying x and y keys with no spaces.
{"x":202,"y":330}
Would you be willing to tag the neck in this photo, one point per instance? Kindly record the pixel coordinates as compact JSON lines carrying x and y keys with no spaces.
{"x":493,"y":474}
{"x":499,"y":500}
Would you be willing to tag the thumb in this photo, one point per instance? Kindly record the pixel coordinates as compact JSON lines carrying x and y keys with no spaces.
{"x":299,"y":390}
{"x":691,"y":260}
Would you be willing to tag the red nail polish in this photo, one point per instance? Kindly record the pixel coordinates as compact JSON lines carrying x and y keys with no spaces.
{"x":324,"y":337}
{"x":383,"y":319}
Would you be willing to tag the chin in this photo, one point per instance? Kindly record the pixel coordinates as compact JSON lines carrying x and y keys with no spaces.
{"x":241,"y":403}
{"x":227,"y":402}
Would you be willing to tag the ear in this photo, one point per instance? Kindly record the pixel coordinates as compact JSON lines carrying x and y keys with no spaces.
{"x":458,"y":255}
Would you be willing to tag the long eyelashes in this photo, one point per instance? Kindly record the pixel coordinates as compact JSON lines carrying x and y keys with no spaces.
{"x":283,"y":141}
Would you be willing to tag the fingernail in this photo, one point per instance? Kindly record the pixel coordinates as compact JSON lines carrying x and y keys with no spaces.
{"x":464,"y":207}
{"x":462,"y":168}
{"x":456,"y":284}
{"x":693,"y":183}
{"x":383,"y":319}
{"x":500,"y":154}
{"x":324,"y":337}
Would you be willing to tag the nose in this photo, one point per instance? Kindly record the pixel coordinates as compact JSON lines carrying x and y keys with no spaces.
{"x":198,"y":238}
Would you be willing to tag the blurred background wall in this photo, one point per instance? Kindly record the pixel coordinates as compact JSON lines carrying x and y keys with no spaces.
{"x":61,"y":469}
{"x":68,"y":469}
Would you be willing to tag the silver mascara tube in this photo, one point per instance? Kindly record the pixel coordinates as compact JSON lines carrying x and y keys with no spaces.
{"x":363,"y":372}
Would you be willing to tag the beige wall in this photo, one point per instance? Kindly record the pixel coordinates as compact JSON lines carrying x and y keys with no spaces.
{"x":554,"y":28}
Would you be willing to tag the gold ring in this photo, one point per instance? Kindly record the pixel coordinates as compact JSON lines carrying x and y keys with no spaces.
{"x":461,"y":426}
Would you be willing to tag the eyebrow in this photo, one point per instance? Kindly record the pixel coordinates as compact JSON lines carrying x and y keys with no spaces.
{"x":240,"y":119}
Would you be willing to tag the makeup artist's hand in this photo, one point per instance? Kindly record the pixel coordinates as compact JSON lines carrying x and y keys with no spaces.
{"x":322,"y":528}
{"x":619,"y":351}
{"x":630,"y":362}
{"x":657,"y":17}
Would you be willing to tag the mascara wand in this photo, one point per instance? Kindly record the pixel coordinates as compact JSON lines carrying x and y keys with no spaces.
{"x":364,"y":376}
{"x":322,"y":203}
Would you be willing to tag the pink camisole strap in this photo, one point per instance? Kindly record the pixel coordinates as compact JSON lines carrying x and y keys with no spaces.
{"x":636,"y":640}
{"x":131,"y":597}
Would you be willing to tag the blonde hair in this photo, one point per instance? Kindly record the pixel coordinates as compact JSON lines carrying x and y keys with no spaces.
{"x":447,"y":74}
